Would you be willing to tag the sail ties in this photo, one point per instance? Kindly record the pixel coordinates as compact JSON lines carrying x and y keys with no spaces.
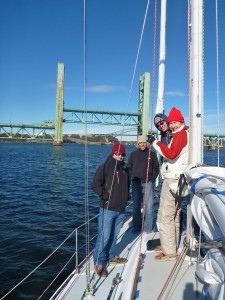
{"x":212,"y":244}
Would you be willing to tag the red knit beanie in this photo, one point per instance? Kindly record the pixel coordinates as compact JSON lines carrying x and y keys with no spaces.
{"x":175,"y":116}
{"x":118,"y":148}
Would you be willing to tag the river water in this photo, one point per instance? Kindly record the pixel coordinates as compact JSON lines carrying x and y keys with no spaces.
{"x":42,"y":201}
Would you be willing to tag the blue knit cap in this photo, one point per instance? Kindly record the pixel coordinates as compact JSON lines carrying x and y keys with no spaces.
{"x":158,"y":118}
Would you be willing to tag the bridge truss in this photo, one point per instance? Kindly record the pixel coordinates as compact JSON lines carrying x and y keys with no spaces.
{"x":100,"y":117}
{"x":46,"y":131}
{"x":27,"y":131}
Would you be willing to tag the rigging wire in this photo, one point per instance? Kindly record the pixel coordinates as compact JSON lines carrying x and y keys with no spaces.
{"x":126,"y":111}
{"x":153,"y":65}
{"x":152,"y":96}
{"x":189,"y":215}
{"x":128,"y":102}
{"x":86,"y":156}
{"x":138,"y":52}
{"x":140,"y":260}
{"x":217,"y":87}
{"x":202,"y":85}
{"x":131,"y":86}
{"x":189,"y":51}
{"x":136,"y":62}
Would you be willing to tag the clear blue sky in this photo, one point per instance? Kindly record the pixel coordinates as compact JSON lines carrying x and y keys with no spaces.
{"x":35,"y":35}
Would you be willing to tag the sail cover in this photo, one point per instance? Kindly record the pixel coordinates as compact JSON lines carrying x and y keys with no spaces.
{"x":208,"y":208}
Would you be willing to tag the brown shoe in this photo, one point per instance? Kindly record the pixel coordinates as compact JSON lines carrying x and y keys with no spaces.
{"x":104,"y":273}
{"x":163,"y":257}
{"x":100,"y":271}
{"x":117,"y":260}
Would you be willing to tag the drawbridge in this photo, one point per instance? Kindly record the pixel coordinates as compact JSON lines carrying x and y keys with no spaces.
{"x":133,"y":123}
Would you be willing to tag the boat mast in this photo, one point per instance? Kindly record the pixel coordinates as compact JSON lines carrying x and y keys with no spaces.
{"x":162,"y":59}
{"x":196,"y":84}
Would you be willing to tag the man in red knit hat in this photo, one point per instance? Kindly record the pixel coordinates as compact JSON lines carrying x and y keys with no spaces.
{"x":175,"y":162}
{"x":111,"y":184}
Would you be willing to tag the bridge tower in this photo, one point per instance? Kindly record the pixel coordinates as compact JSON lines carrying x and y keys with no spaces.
{"x":58,"y":141}
{"x":143,"y":104}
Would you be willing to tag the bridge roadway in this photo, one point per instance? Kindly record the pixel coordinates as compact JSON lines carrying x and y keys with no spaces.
{"x":33,"y":131}
{"x":45,"y":131}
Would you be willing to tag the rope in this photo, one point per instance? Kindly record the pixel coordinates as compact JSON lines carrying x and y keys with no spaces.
{"x":128,"y":103}
{"x":86,"y":153}
{"x":140,"y":261}
{"x":202,"y":85}
{"x":189,"y":49}
{"x":153,"y":65}
{"x":217,"y":87}
{"x":137,"y":56}
{"x":200,"y":234}
{"x":152,"y":96}
{"x":144,"y":203}
{"x":176,"y":267}
{"x":135,"y":65}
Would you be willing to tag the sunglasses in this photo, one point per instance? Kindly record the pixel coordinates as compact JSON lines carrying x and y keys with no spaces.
{"x":120,"y":154}
{"x":160,"y":123}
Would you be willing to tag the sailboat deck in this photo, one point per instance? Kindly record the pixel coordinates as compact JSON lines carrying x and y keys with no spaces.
{"x":151,"y":278}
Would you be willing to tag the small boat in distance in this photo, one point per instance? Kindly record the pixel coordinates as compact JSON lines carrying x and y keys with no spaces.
{"x":211,"y":148}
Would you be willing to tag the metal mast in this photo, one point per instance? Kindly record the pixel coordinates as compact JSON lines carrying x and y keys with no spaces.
{"x":162,"y":59}
{"x":196,"y":84}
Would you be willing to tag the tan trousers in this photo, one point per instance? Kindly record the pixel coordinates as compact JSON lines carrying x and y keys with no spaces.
{"x":169,"y":225}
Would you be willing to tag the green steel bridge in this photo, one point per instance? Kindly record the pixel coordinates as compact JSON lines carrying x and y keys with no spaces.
{"x":46,"y":130}
{"x":52,"y":130}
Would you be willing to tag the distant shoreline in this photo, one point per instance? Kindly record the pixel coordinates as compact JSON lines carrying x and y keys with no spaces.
{"x":80,"y":142}
{"x":65,"y":141}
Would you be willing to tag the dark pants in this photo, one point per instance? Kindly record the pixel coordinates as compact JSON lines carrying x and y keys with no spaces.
{"x":140,"y":192}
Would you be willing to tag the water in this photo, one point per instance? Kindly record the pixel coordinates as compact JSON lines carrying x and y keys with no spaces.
{"x":42,"y":202}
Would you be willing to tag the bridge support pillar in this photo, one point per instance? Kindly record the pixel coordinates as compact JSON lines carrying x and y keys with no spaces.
{"x":58,"y":141}
{"x":143,"y":104}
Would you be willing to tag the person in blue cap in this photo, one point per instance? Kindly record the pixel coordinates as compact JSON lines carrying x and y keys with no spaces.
{"x":160,"y":121}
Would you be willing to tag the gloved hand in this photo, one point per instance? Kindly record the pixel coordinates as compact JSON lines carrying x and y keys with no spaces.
{"x":105,"y":195}
{"x":150,"y":138}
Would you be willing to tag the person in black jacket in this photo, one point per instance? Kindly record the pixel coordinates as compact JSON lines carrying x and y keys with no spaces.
{"x":111,"y":184}
{"x":143,"y":167}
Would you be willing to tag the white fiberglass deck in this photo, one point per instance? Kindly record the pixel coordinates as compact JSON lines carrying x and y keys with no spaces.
{"x":150,"y":281}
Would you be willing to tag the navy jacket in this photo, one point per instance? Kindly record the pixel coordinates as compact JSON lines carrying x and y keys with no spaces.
{"x":138,"y":163}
